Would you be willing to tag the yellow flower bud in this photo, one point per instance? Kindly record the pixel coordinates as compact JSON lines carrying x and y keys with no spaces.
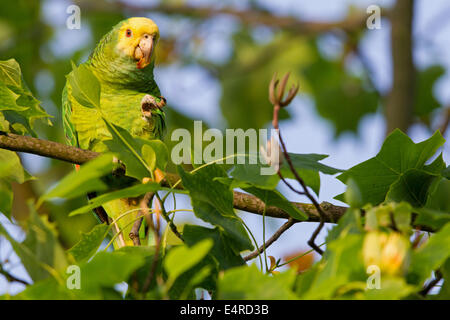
{"x":388,"y":251}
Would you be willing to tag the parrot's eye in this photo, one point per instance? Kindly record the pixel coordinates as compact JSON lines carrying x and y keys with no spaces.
{"x":129,"y":33}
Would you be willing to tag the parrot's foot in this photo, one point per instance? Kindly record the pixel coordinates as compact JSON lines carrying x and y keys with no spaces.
{"x":148,"y":103}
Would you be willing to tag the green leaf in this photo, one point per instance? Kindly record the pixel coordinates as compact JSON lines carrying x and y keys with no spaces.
{"x":40,"y":251}
{"x":48,"y":289}
{"x":391,"y":289}
{"x":221,"y":250}
{"x":342,"y":265}
{"x":430,"y":256}
{"x":391,"y":165}
{"x":444,"y":293}
{"x":107,"y":269}
{"x":10,"y":73}
{"x":276,"y":199}
{"x":308,"y":168}
{"x":251,"y":173}
{"x":213,"y":203}
{"x":183,"y":258}
{"x":425,"y":101}
{"x":436,"y":212}
{"x":128,"y":150}
{"x":83,"y":181}
{"x":353,"y":195}
{"x":248,"y":283}
{"x":349,"y":223}
{"x":89,"y":243}
{"x":412,"y":186}
{"x":11,"y":170}
{"x":8,"y":99}
{"x":20,"y":108}
{"x":149,"y":156}
{"x":402,"y":216}
{"x":4,"y":124}
{"x":85,"y":86}
{"x":161,"y":152}
{"x":130,"y":192}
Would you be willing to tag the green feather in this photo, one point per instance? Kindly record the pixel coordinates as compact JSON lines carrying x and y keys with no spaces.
{"x":123,"y":86}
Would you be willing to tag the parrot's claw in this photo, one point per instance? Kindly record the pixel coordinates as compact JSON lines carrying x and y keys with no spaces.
{"x":148,"y":103}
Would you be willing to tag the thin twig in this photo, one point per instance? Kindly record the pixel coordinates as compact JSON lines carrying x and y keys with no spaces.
{"x":144,"y":205}
{"x":278,"y":103}
{"x":169,"y":221}
{"x":10,"y":277}
{"x":272,"y":239}
{"x":431,"y":284}
{"x":154,"y":265}
{"x":446,"y":122}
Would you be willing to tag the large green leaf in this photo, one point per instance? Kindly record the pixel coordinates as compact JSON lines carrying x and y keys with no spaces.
{"x":436,"y":212}
{"x":40,"y":251}
{"x":83,"y":181}
{"x":89,"y":243}
{"x":139,"y":156}
{"x":213,"y":203}
{"x":18,"y":105}
{"x":107,"y":269}
{"x":183,"y":258}
{"x":391,"y":169}
{"x":11,"y":170}
{"x":221,"y":250}
{"x":425,"y":101}
{"x":130,"y":192}
{"x":249,"y":283}
{"x":412,"y":186}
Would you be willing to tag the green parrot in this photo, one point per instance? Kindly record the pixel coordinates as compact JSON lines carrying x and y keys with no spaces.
{"x":123,"y":62}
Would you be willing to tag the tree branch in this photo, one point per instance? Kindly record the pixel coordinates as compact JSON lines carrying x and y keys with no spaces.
{"x":400,"y":102}
{"x":10,"y":277}
{"x":272,"y":239}
{"x":241,"y":201}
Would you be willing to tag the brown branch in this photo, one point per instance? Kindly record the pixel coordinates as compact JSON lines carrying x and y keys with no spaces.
{"x":272,"y":239}
{"x":10,"y":277}
{"x":45,"y":148}
{"x":279,"y":102}
{"x":241,"y":201}
{"x":446,"y":122}
{"x":400,"y":102}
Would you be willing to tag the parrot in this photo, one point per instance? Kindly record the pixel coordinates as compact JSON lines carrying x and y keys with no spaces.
{"x":123,"y":62}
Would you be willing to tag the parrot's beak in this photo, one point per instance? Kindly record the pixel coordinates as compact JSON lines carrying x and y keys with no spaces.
{"x":143,"y":52}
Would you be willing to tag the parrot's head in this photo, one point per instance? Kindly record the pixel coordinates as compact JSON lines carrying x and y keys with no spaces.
{"x":136,"y":39}
{"x":125,"y":55}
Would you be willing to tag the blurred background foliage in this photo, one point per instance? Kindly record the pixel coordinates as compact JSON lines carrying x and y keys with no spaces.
{"x":324,"y":57}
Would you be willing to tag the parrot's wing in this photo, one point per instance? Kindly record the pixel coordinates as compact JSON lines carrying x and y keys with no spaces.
{"x":69,"y":128}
